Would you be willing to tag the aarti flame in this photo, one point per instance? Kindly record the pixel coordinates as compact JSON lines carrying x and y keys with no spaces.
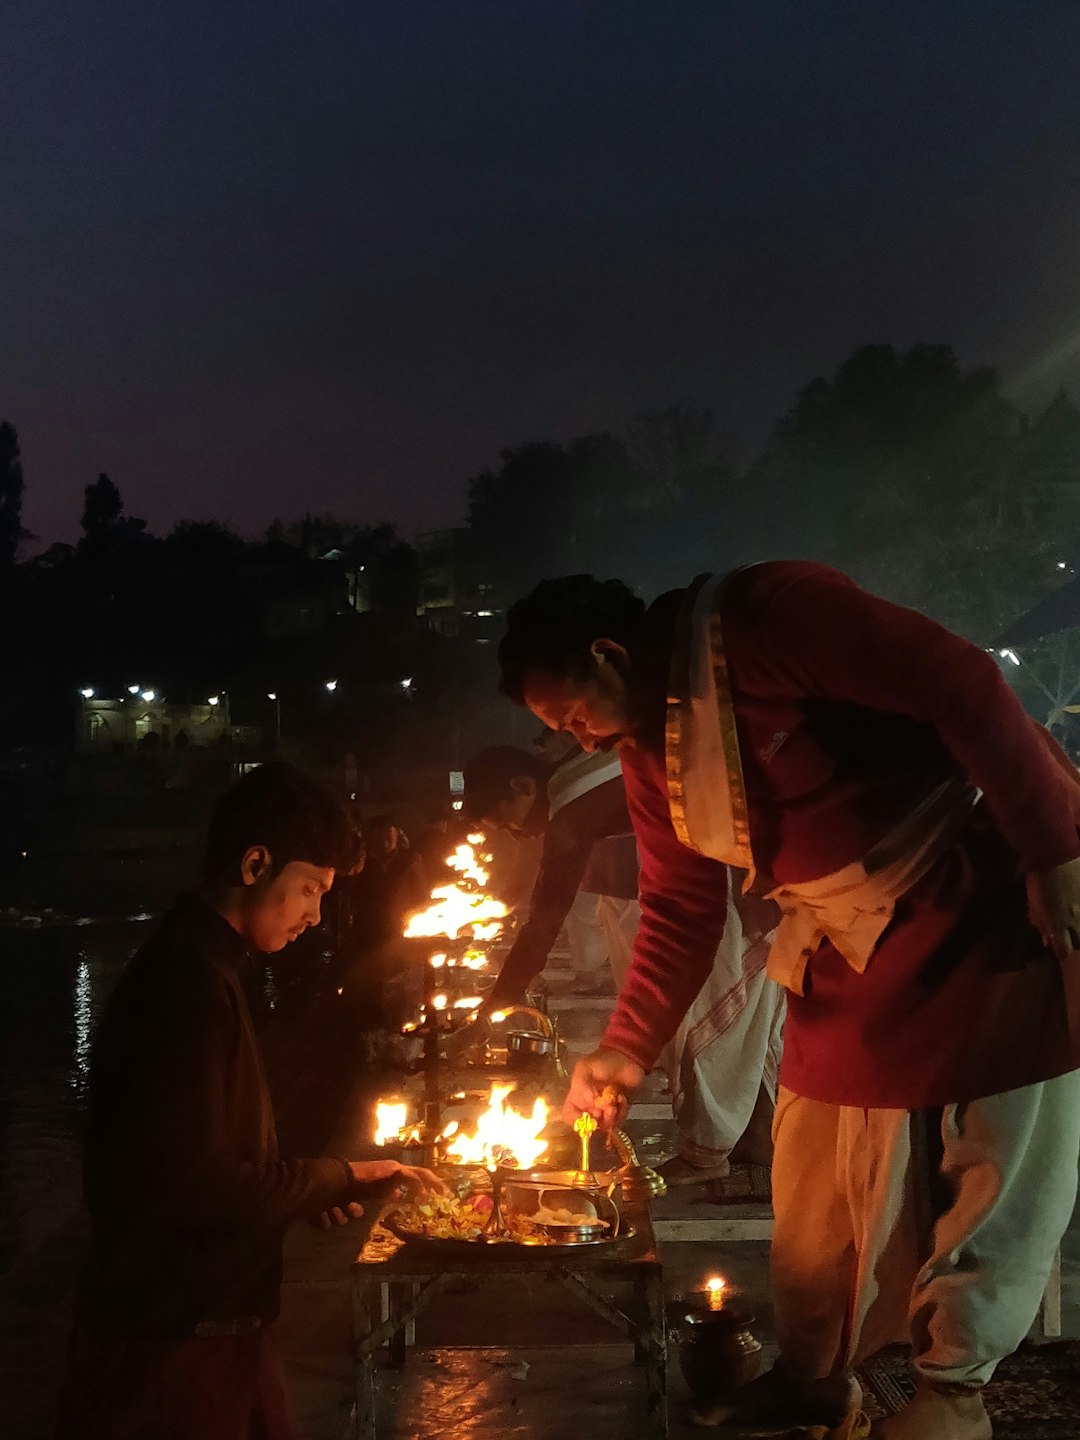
{"x":502,"y":1136}
{"x":461,"y":907}
{"x":391,"y":1117}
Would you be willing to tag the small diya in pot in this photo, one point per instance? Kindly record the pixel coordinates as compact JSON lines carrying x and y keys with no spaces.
{"x":718,"y":1354}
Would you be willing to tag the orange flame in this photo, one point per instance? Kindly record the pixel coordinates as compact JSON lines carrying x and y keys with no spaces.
{"x":461,"y":907}
{"x":503,"y":1136}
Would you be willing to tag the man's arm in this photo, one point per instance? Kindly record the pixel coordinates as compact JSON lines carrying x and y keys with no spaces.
{"x":568,"y":843}
{"x":683,"y":913}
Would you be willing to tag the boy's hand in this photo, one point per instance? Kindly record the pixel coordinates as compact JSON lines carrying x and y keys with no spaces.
{"x":339,"y":1215}
{"x":409,"y":1177}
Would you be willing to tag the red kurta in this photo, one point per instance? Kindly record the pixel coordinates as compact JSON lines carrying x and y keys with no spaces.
{"x":849,"y":710}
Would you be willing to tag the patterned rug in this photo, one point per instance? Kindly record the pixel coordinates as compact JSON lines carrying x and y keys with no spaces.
{"x":746,"y":1185}
{"x":1035,"y":1394}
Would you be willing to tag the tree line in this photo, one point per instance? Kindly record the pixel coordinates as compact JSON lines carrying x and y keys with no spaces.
{"x":918,"y":476}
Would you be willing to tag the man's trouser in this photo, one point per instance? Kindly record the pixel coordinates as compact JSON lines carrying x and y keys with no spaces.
{"x":938,"y":1226}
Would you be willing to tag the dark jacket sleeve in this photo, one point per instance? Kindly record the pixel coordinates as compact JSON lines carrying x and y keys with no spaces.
{"x":175,"y":1152}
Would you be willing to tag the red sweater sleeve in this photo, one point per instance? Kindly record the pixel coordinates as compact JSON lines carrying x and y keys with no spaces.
{"x":683,"y":911}
{"x":810,"y":631}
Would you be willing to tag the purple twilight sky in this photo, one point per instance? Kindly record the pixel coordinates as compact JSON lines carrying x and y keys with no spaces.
{"x":262,"y":259}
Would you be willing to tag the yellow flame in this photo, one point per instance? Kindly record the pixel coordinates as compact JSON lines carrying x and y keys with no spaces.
{"x":462,"y":906}
{"x":438,"y":1002}
{"x":468,"y":1002}
{"x":716,"y":1285}
{"x":503,"y":1136}
{"x":453,"y":911}
{"x":391,"y":1117}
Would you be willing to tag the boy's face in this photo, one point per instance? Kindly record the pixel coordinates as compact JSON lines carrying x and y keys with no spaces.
{"x":280,"y":905}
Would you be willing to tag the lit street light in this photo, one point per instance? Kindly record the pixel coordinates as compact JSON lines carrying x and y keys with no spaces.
{"x":214,"y":700}
{"x":133,"y":689}
{"x":273,"y":695}
{"x":331,"y":685}
{"x":88,"y":693}
{"x":149,"y":695}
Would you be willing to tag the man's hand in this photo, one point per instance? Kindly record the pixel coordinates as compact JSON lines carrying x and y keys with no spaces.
{"x":599,"y":1087}
{"x":409,"y":1177}
{"x":1054,"y":907}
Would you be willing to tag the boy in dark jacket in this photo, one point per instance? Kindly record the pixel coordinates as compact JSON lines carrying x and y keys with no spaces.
{"x":187,"y":1192}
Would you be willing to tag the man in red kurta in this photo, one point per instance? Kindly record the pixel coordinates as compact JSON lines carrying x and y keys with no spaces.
{"x":877,"y":777}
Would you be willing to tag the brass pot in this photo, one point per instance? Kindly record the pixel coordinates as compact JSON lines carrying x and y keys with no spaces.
{"x":718,"y":1353}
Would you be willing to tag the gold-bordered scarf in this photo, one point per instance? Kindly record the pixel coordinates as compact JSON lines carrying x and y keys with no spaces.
{"x":706,"y":790}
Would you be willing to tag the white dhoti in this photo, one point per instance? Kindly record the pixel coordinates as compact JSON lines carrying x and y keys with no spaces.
{"x":938,"y":1226}
{"x":728,"y":1044}
{"x":585,"y":938}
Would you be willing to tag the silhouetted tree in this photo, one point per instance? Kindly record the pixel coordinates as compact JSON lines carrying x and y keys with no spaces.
{"x":106,"y":529}
{"x":11,"y":495}
{"x":902,"y":469}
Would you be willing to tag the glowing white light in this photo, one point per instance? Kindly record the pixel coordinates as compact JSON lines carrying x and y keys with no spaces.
{"x":133,"y":689}
{"x":1010,"y":655}
{"x":331,"y":685}
{"x":214,"y":700}
{"x":406,"y":684}
{"x":438,"y":1002}
{"x":87,"y":693}
{"x":485,"y":614}
{"x":1061,"y":565}
{"x":468,"y":1002}
{"x":391,"y":1117}
{"x":271,"y":694}
{"x":149,"y":695}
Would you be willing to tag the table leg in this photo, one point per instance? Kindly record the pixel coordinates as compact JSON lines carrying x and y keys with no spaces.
{"x":656,"y":1400}
{"x":641,"y":1322}
{"x":365,"y":1319}
{"x":399,"y":1338}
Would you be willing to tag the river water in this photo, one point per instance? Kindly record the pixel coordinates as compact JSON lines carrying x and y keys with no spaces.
{"x":53,"y":983}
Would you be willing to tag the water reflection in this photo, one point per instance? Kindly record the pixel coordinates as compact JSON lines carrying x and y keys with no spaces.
{"x":83,"y":1024}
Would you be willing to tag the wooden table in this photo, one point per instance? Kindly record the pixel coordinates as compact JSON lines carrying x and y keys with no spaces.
{"x":393,"y":1283}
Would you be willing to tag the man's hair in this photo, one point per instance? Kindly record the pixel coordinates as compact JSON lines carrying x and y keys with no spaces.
{"x":489,"y":773}
{"x":279,"y":807}
{"x":554,"y":627}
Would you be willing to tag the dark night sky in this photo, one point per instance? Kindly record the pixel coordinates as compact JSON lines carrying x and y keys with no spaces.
{"x":265,"y":258}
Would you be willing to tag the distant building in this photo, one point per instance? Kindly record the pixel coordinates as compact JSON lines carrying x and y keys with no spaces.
{"x":133,"y":723}
{"x":456,"y":595}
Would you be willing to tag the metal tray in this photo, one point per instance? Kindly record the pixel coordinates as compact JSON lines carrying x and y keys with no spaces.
{"x":485,"y":1249}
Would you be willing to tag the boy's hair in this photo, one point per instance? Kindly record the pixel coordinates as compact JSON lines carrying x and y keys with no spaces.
{"x":489,"y":773}
{"x":279,"y":807}
{"x":554,"y":626}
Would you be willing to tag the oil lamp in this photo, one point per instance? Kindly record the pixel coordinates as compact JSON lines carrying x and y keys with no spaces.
{"x":718,"y":1353}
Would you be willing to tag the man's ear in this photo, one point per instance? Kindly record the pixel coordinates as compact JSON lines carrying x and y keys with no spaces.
{"x":610,"y":652}
{"x":523,"y":785}
{"x":256,"y":865}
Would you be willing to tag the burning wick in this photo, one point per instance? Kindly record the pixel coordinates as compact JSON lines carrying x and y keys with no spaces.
{"x":715,"y":1288}
{"x":438,"y":961}
{"x":498,"y":1016}
{"x":438,"y":1002}
{"x":391,"y":1118}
